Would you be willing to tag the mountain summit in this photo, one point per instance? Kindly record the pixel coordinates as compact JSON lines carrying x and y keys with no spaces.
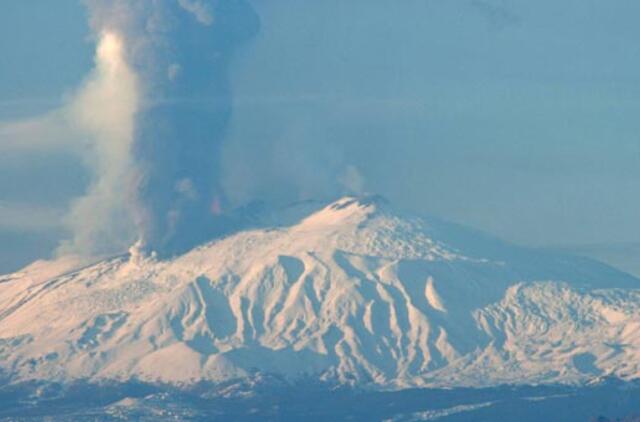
{"x":351,"y":292}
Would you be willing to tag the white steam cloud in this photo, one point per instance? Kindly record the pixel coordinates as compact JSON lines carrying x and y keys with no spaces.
{"x":97,"y":124}
{"x":105,"y":110}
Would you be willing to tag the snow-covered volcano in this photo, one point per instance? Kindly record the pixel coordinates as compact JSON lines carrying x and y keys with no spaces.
{"x":350,"y":292}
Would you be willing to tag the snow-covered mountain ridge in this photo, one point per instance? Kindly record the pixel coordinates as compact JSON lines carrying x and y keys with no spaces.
{"x":353,"y":292}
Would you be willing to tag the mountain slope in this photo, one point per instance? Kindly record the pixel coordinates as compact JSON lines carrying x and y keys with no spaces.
{"x":354,"y":292}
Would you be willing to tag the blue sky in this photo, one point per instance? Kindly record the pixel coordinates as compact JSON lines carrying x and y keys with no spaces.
{"x":516,"y":117}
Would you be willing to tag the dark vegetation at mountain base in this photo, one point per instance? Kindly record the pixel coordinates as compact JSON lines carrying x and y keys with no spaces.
{"x":632,"y":418}
{"x":271,"y":398}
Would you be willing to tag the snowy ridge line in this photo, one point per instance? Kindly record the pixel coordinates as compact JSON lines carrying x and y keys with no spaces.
{"x":354,"y":293}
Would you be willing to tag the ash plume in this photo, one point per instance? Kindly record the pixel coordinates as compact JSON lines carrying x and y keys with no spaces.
{"x":178,"y":52}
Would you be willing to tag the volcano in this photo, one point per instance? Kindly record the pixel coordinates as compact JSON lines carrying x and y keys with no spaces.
{"x":352,"y":292}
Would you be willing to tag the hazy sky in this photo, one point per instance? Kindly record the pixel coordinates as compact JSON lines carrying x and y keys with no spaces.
{"x":517,"y":117}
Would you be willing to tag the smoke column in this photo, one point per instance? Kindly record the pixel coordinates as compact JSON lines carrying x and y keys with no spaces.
{"x":177,"y":52}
